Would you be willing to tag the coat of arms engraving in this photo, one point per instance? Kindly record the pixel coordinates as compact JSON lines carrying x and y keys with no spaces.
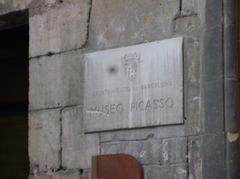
{"x":131,"y":62}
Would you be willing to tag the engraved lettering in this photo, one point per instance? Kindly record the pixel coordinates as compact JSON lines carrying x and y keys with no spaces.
{"x":148,"y":105}
{"x":119,"y":108}
{"x":154,"y":104}
{"x":161,"y":103}
{"x":141,"y":106}
{"x":112,"y":108}
{"x":169,"y":102}
{"x":133,"y":106}
{"x":108,"y":108}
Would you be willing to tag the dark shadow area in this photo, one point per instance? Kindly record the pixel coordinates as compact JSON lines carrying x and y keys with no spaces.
{"x":14,"y":44}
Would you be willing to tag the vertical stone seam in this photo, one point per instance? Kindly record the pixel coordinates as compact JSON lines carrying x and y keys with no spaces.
{"x":231,"y":57}
{"x":180,"y":7}
{"x":223,"y":61}
{"x":88,"y":23}
{"x":223,"y":76}
{"x":187,"y":157}
{"x":60,"y":138}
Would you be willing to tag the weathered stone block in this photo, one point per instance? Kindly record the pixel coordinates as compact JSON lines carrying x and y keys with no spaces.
{"x":187,"y":25}
{"x":213,"y":13}
{"x":155,"y":152}
{"x":195,"y":158}
{"x":119,"y":23}
{"x":77,"y":148}
{"x":7,"y":6}
{"x":169,"y":172}
{"x":231,"y":36}
{"x":191,"y":6}
{"x":231,"y":7}
{"x":44,"y":139}
{"x":214,"y":107}
{"x":192,"y":89}
{"x":207,"y":154}
{"x":69,"y":174}
{"x":85,"y":174}
{"x":212,"y":64}
{"x":43,"y":176}
{"x":233,"y":156}
{"x":56,"y":80}
{"x":231,"y":108}
{"x":57,"y":29}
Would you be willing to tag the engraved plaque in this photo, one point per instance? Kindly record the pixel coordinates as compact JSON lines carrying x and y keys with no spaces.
{"x":135,"y":86}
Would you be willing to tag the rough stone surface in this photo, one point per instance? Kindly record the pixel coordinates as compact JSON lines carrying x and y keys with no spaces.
{"x":69,"y":174}
{"x":195,"y":160}
{"x":214,"y":108}
{"x":192,"y":88}
{"x":85,"y":174}
{"x":61,"y":28}
{"x":207,"y":154}
{"x":191,"y":6}
{"x":233,"y":156}
{"x":212,"y":69}
{"x":56,"y":81}
{"x":213,"y":13}
{"x":212,"y":56}
{"x":154,"y":152}
{"x":232,"y":87}
{"x":231,"y":36}
{"x":231,"y":15}
{"x":187,"y":25}
{"x":170,"y":172}
{"x":7,"y":6}
{"x":77,"y":148}
{"x":44,"y":140}
{"x":123,"y":22}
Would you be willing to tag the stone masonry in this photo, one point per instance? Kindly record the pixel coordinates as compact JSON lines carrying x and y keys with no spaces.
{"x":62,"y":31}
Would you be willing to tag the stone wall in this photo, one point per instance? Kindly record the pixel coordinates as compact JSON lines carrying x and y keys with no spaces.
{"x":61,"y":31}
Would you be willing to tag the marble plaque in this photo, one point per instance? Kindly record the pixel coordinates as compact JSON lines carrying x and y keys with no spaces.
{"x":134,"y":86}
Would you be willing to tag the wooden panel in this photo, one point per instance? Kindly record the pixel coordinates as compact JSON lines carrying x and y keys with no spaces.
{"x":118,"y":166}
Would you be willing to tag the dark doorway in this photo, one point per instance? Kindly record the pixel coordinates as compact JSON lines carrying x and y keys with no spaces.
{"x":14,"y":38}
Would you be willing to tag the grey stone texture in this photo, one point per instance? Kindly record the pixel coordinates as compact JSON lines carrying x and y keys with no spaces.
{"x":192,"y":87}
{"x":77,"y":147}
{"x":212,"y":69}
{"x":233,"y":155}
{"x":7,"y":6}
{"x":68,"y":174}
{"x":190,"y":7}
{"x":44,"y":140}
{"x":60,"y":28}
{"x":122,"y":22}
{"x":187,"y":25}
{"x":151,"y":152}
{"x":231,"y":86}
{"x":56,"y":81}
{"x":213,"y":106}
{"x":207,"y":154}
{"x":170,"y":172}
